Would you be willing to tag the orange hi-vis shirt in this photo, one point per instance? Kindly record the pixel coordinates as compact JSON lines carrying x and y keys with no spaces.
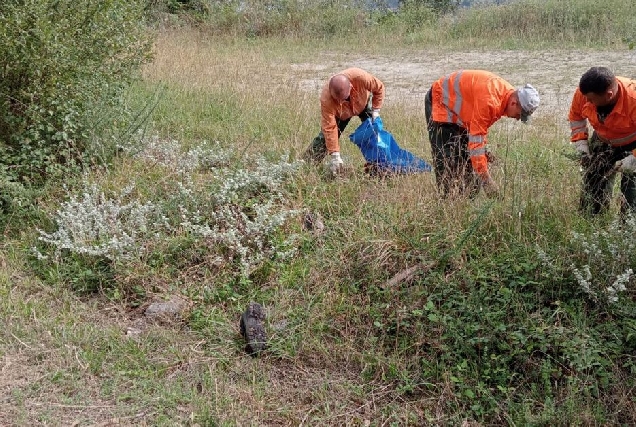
{"x":474,"y":100}
{"x":362,"y":84}
{"x":618,"y":128}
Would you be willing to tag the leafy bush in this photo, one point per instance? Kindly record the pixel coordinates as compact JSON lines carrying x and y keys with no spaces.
{"x":412,"y":16}
{"x":322,"y":18}
{"x":502,"y":332}
{"x":63,"y":65}
{"x":255,"y":18}
{"x":99,"y":226}
{"x":439,"y":6}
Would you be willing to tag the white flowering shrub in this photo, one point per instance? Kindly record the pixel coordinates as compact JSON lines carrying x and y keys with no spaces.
{"x":235,"y":211}
{"x":169,"y":153}
{"x":601,"y":261}
{"x":94,"y":224}
{"x":239,"y":213}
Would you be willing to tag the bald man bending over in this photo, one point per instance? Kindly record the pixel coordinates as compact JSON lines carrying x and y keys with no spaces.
{"x":352,"y":92}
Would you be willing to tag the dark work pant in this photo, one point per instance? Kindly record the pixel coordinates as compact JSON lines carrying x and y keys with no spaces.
{"x":449,"y":145}
{"x":598,"y":178}
{"x":317,"y":150}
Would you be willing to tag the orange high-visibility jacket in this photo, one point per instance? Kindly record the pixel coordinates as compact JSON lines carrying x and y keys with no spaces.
{"x":362,"y":84}
{"x":618,"y":128}
{"x":473,"y":99}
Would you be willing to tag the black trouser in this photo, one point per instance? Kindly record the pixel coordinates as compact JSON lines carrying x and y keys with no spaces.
{"x":317,"y":150}
{"x":449,"y":145}
{"x":598,"y":177}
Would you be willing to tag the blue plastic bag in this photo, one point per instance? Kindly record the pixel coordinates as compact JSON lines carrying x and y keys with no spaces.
{"x":380,"y":149}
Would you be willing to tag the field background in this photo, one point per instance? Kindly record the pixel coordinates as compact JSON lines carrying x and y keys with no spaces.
{"x":504,"y":316}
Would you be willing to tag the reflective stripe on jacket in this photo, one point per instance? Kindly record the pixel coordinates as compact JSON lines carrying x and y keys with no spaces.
{"x":473,"y":99}
{"x":362,"y":84}
{"x":618,"y":128}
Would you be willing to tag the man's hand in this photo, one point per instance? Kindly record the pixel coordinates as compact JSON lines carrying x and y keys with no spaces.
{"x":490,"y":187}
{"x":375,"y":114}
{"x":582,"y":148}
{"x":336,"y":164}
{"x":490,"y":157}
{"x":627,"y":165}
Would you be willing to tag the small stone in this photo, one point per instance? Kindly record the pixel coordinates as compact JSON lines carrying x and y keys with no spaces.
{"x":132,"y":332}
{"x":169,"y":309}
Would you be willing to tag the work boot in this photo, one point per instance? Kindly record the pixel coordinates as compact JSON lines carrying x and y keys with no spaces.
{"x":253,"y":329}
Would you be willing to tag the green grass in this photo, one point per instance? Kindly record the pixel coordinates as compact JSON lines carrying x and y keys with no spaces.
{"x":483,"y":332}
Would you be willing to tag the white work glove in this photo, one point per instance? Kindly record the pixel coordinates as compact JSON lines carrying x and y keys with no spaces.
{"x":582,"y":147}
{"x":375,"y":114}
{"x":627,"y":165}
{"x":335,"y":166}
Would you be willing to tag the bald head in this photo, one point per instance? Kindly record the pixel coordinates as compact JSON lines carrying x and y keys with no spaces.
{"x":339,"y":87}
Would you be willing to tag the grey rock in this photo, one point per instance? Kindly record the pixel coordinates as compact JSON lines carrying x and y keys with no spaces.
{"x":171,"y":308}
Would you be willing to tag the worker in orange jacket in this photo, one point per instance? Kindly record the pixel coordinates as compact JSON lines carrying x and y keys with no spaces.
{"x":352,"y":92}
{"x":460,"y":108}
{"x":608,"y":103}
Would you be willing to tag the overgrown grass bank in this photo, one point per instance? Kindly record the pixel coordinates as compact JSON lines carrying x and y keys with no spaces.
{"x":406,"y":310}
{"x":527,"y":23}
{"x":540,"y":23}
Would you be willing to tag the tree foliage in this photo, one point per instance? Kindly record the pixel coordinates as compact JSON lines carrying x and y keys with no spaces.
{"x":63,"y":65}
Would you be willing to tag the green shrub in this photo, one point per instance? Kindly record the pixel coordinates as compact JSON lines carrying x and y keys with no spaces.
{"x":235,"y":220}
{"x":63,"y":65}
{"x":415,"y":15}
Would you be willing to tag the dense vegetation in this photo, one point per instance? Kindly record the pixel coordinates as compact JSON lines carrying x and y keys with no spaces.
{"x":529,"y":22}
{"x":63,"y":68}
{"x":120,"y":190}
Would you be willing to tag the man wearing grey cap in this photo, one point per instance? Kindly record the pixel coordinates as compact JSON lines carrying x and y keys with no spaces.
{"x":460,"y":108}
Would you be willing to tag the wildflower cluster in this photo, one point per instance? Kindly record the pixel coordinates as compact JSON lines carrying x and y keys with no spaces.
{"x":235,"y":212}
{"x":169,"y":153}
{"x":97,"y":225}
{"x":601,"y":260}
{"x":240,"y":212}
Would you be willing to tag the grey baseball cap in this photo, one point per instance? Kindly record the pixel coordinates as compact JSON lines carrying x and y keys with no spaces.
{"x":529,"y":100}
